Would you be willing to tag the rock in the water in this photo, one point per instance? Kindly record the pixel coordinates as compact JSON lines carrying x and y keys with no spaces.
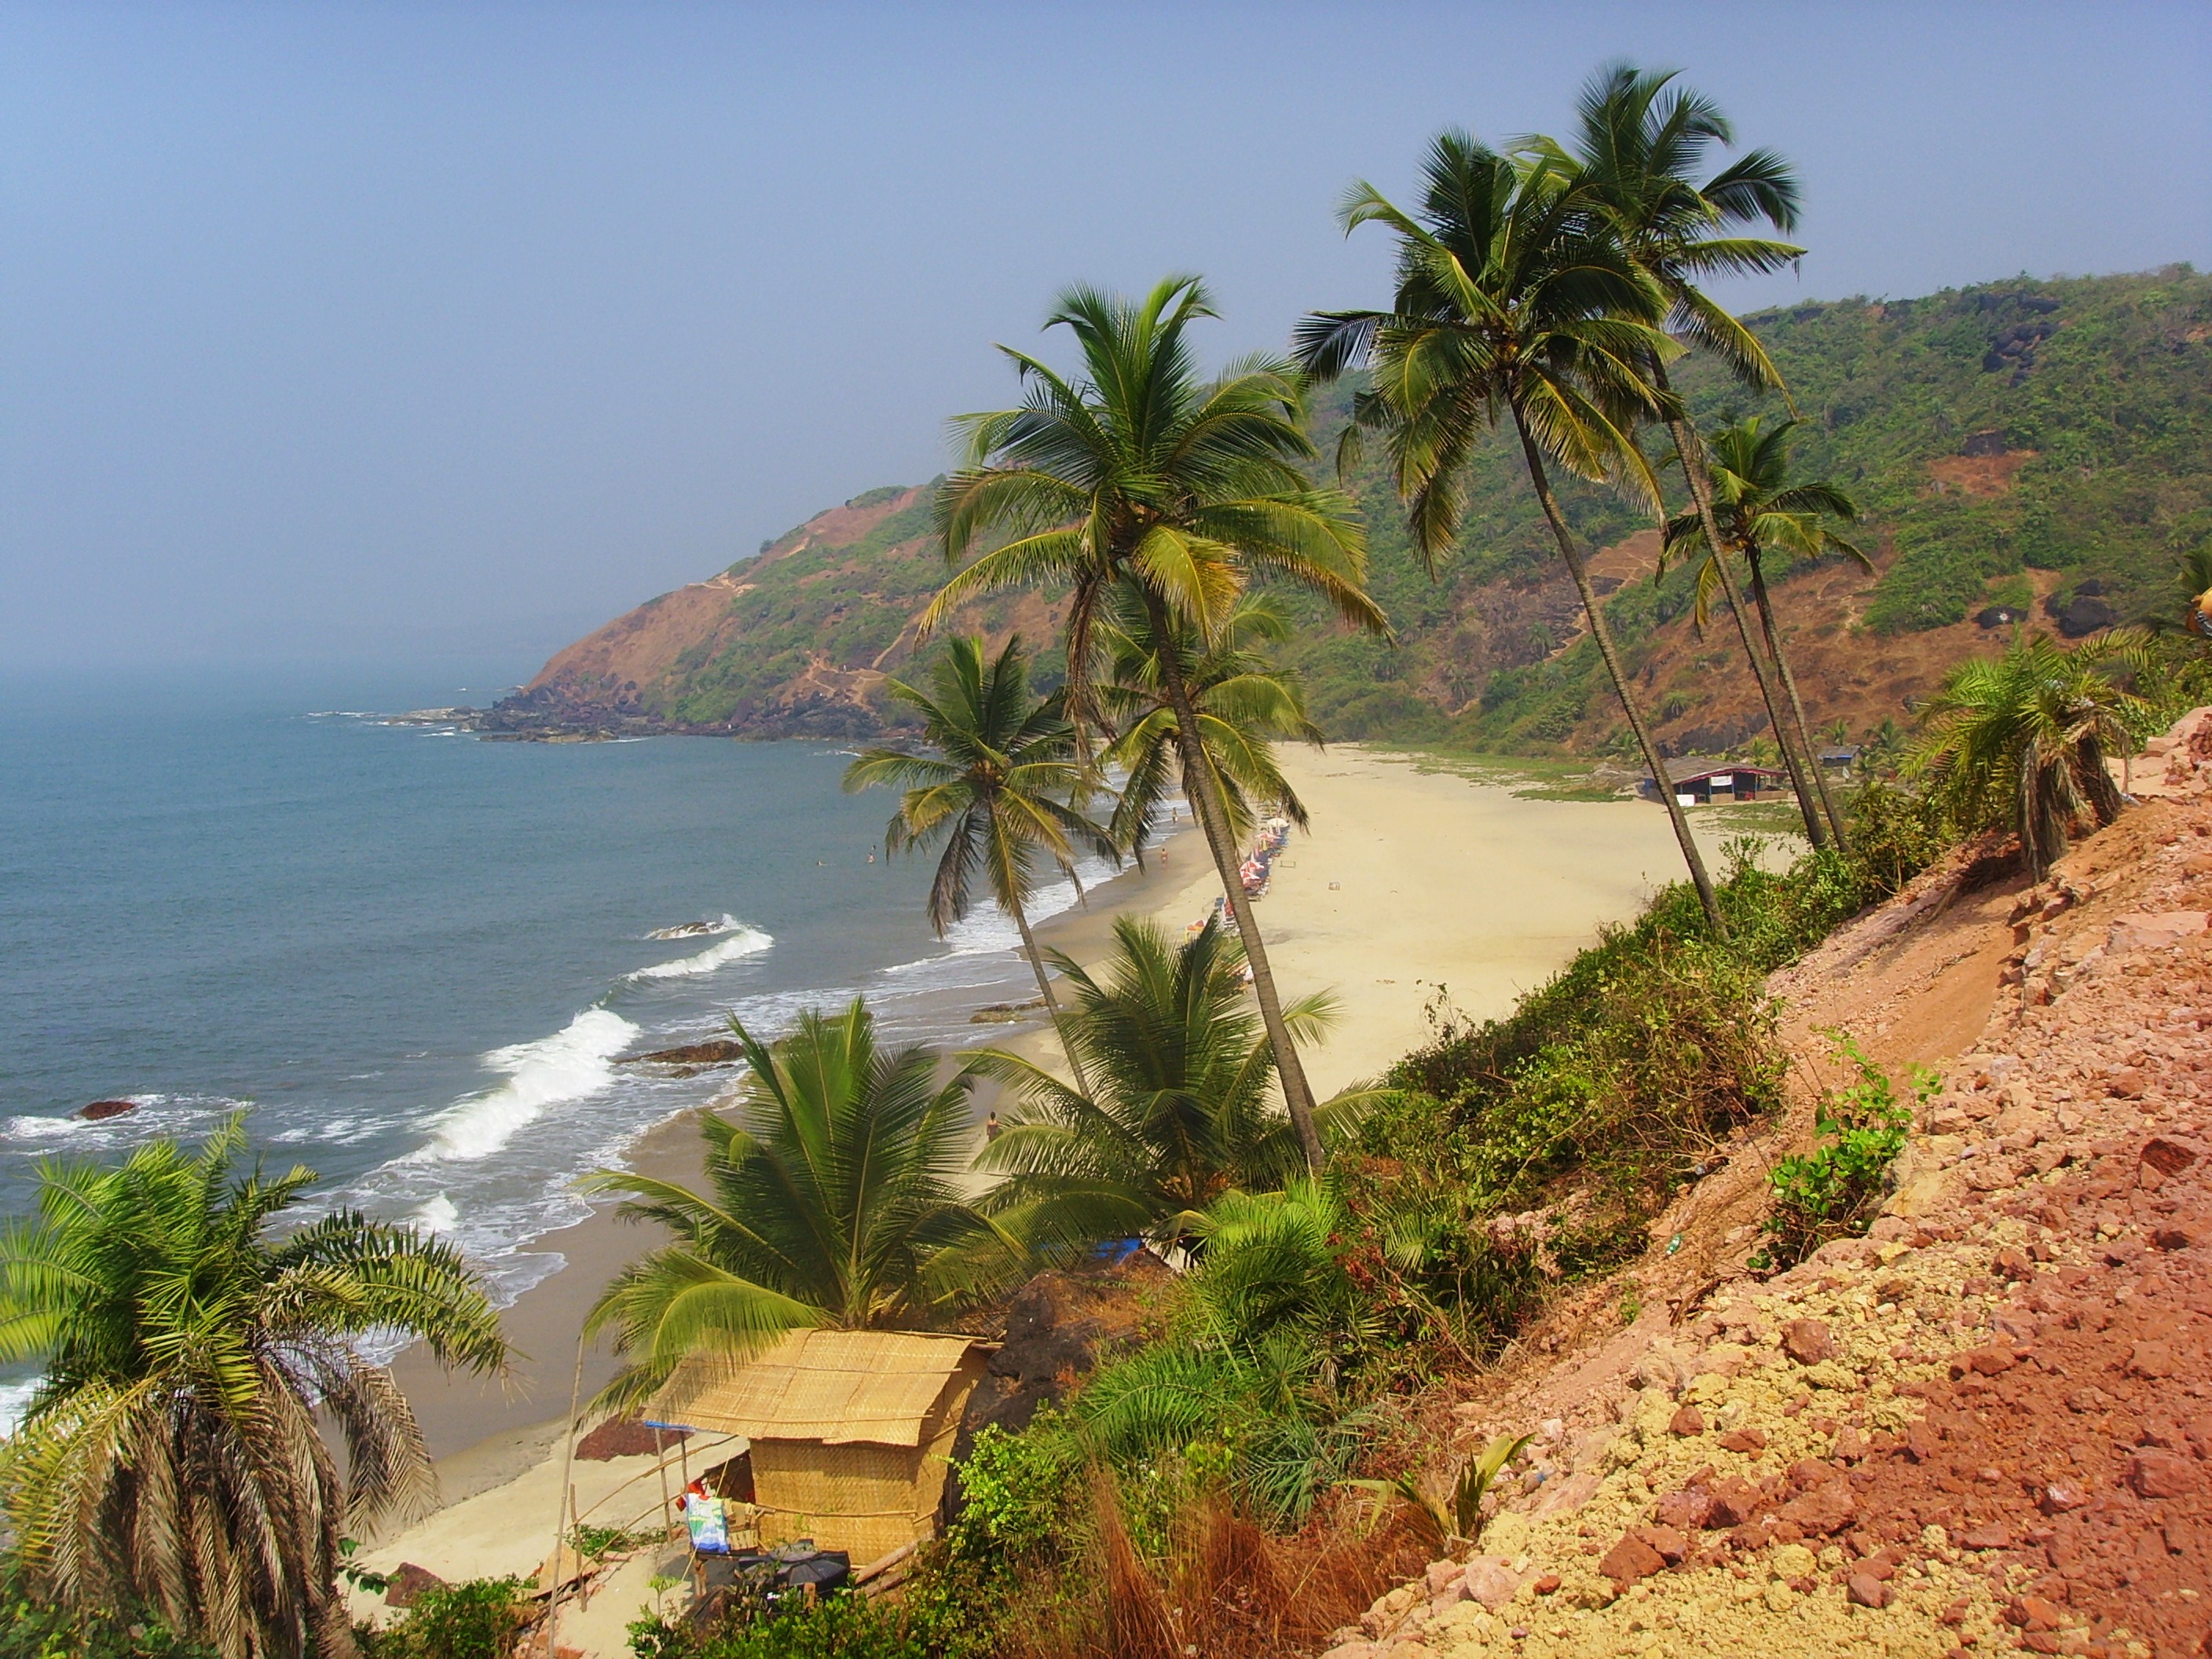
{"x":104,"y":1109}
{"x":716,"y":1051}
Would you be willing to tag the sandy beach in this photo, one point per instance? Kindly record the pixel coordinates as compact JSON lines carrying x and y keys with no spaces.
{"x":1415,"y":880}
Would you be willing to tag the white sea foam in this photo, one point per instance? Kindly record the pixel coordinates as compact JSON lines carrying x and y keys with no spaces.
{"x":744,"y":942}
{"x":15,"y":1397}
{"x":569,"y":1065}
{"x":437,"y":1215}
{"x":726,"y":923}
{"x":157,"y":1115}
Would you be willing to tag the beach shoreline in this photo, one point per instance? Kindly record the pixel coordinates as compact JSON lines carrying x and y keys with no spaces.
{"x":1419,"y":885}
{"x":467,"y":1421}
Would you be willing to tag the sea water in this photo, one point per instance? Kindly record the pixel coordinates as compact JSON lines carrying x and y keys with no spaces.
{"x":417,"y":959}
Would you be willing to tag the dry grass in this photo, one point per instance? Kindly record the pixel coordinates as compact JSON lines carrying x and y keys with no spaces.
{"x":1227,"y":1588}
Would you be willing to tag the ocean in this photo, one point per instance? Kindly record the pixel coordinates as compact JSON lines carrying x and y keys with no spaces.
{"x":413,"y":958}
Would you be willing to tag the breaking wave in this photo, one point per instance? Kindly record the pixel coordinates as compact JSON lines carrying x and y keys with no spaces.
{"x":742,"y":941}
{"x":569,"y":1065}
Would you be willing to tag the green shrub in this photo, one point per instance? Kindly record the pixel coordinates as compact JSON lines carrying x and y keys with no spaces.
{"x":596,"y":1543}
{"x":1895,"y":835}
{"x":948,"y":1611}
{"x":1014,"y":1490}
{"x":31,"y":1629}
{"x":1833,"y":1191}
{"x":475,"y":1618}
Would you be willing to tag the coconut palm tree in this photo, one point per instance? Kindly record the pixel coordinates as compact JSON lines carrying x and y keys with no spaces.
{"x":1243,"y":702}
{"x":2188,"y":606}
{"x":1180,"y":1112}
{"x":996,"y":793}
{"x":1514,"y":301}
{"x":1142,"y":472}
{"x":1754,"y":507}
{"x":1640,"y":142}
{"x":833,"y":1200}
{"x":172,"y":1458}
{"x":2020,"y":741}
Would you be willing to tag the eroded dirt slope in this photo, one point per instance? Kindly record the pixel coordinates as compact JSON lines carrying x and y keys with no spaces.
{"x":1985,"y":1427}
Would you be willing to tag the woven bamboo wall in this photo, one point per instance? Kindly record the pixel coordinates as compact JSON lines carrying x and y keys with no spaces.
{"x":863,"y":1498}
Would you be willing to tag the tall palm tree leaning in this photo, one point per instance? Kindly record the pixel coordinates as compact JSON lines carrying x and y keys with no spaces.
{"x":171,"y":1460}
{"x":1243,"y":702}
{"x":1751,"y":506}
{"x":834,"y":1202}
{"x":1513,"y":299}
{"x":996,"y":792}
{"x":1144,"y":473}
{"x":1639,"y":142}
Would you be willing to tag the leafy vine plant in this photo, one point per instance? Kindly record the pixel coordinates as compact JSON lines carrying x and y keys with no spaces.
{"x":1835,"y":1190}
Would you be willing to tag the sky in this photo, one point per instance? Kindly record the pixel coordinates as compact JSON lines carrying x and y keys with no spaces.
{"x":378,"y":333}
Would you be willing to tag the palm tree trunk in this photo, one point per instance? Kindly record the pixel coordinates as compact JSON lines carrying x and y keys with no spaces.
{"x":1051,"y":1002}
{"x":1790,"y":685}
{"x":1701,"y":491}
{"x":1212,"y":813}
{"x":1608,"y":650}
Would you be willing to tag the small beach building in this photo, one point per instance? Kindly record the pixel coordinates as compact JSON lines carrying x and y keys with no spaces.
{"x":1726,"y":782}
{"x":852,"y":1432}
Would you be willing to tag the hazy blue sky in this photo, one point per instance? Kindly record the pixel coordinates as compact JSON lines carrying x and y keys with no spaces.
{"x":359,"y":330}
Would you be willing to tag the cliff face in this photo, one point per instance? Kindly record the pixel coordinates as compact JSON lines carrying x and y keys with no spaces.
{"x":2038,"y":451}
{"x":796,"y":641}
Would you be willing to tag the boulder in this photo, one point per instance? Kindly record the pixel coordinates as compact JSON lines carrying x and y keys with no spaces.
{"x":407,"y":1581}
{"x":2148,"y":931}
{"x":1491,"y":1581}
{"x":1632,"y":1558}
{"x":2167,"y":1156}
{"x":1868,"y":1591}
{"x":2083,"y":614}
{"x":1824,"y":1508}
{"x":105,"y":1109}
{"x":2155,"y":1474}
{"x":1055,"y":1326}
{"x":626,"y":1437}
{"x":1806,"y":1341}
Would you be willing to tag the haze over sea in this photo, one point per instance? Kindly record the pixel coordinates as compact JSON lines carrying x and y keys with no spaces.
{"x":415,"y":955}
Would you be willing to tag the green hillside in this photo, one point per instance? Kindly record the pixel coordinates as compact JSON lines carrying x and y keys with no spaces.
{"x":2041,"y":445}
{"x":2006,"y":441}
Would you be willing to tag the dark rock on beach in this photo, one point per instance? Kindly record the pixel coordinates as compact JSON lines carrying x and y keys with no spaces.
{"x":625,"y":1437}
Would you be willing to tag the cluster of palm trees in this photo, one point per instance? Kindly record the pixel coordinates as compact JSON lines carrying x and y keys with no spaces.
{"x":173,"y":1458}
{"x":1547,"y":287}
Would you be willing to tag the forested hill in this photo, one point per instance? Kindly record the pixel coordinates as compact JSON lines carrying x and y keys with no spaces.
{"x":2023,"y":447}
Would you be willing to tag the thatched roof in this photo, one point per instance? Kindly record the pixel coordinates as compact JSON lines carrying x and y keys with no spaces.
{"x":835,"y":1386}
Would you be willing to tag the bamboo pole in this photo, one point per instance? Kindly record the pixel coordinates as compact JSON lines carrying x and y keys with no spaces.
{"x":660,"y":1467}
{"x":568,"y":1500}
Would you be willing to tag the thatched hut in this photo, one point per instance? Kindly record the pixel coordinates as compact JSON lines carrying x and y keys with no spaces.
{"x":852,"y":1432}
